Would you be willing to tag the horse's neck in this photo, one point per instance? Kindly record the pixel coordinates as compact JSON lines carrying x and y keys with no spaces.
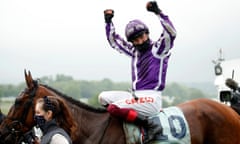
{"x":94,"y":126}
{"x":85,"y":115}
{"x":91,"y":125}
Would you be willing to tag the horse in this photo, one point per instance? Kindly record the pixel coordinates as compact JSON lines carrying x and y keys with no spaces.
{"x":94,"y":124}
{"x":209,"y":121}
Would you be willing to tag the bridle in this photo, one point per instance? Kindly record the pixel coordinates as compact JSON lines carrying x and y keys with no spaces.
{"x":13,"y":131}
{"x":15,"y":128}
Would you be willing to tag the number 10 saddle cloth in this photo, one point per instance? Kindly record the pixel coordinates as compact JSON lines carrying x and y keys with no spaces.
{"x":173,"y":122}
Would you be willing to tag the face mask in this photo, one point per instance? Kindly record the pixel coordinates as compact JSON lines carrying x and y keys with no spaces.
{"x":144,"y":46}
{"x":39,"y":120}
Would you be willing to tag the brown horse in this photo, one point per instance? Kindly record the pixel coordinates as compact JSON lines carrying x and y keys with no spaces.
{"x":210,"y":122}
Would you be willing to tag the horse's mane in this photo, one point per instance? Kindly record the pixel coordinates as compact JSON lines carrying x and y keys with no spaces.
{"x":76,"y":102}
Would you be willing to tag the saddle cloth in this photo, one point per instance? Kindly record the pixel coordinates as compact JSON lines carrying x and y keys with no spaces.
{"x":173,"y":122}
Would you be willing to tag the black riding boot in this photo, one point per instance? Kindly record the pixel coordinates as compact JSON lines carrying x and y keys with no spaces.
{"x":153,"y":127}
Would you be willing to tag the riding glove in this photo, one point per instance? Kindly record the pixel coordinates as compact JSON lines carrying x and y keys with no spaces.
{"x":153,"y":7}
{"x":108,"y":15}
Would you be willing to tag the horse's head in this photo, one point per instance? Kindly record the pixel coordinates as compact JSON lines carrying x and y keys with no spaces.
{"x":19,"y":119}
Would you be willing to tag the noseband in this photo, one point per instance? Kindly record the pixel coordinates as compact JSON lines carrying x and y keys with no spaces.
{"x":15,"y":128}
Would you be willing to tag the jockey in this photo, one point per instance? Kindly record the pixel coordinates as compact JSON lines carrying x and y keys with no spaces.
{"x":149,"y":67}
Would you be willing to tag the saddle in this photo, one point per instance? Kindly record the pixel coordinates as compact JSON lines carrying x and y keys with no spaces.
{"x":173,"y":122}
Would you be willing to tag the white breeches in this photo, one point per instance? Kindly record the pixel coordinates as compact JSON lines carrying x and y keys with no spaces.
{"x":149,"y":101}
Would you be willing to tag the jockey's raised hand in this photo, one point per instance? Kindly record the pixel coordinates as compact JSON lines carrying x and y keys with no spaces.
{"x":108,"y":15}
{"x":153,"y":7}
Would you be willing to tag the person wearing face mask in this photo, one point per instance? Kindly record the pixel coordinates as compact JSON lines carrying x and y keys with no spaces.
{"x":149,"y":68}
{"x":53,"y":117}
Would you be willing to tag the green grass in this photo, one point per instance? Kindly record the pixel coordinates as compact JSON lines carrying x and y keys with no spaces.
{"x":5,"y":106}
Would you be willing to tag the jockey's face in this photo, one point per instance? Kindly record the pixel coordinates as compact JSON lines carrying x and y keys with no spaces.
{"x":140,"y":39}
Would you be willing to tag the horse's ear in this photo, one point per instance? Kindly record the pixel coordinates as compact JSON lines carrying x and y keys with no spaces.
{"x":28,"y":79}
